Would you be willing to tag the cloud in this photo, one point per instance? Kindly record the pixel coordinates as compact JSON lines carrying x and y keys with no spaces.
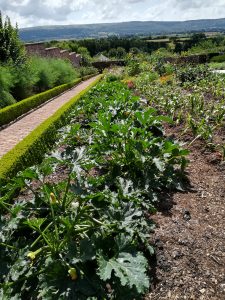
{"x":46,"y":12}
{"x":180,"y":10}
{"x":40,"y":12}
{"x":55,"y":10}
{"x":114,"y":9}
{"x":196,"y":4}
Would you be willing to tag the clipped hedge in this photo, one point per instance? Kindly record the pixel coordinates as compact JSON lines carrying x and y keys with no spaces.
{"x":10,"y":113}
{"x":218,"y":58}
{"x":32,"y":148}
{"x":86,"y":77}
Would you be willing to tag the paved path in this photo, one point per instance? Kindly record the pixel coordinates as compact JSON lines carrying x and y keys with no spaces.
{"x":16,"y":132}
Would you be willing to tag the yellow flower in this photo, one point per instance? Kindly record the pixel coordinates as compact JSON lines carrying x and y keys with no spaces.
{"x":53,"y":198}
{"x":73,"y":273}
{"x":165,"y":78}
{"x":31,"y":255}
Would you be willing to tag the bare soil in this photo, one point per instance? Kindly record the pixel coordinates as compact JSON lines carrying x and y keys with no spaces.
{"x":189,"y":237}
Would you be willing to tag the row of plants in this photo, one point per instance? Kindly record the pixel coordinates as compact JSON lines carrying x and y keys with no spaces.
{"x":81,"y":225}
{"x":192,"y":96}
{"x":217,"y":65}
{"x":32,"y":148}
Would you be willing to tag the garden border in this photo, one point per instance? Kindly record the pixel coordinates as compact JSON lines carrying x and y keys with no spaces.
{"x":12,"y":113}
{"x":32,"y":148}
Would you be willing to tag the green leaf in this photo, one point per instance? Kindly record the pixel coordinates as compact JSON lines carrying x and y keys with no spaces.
{"x":130,"y":269}
{"x":105,"y":267}
{"x":151,"y":249}
{"x":123,"y":242}
{"x":35,"y":223}
{"x":87,"y":251}
{"x":29,"y":173}
{"x":164,"y":119}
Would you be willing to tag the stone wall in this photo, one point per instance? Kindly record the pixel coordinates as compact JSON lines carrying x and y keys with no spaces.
{"x":39,"y":49}
{"x":64,"y":54}
{"x":52,"y":52}
{"x":75,"y":59}
{"x":35,"y":49}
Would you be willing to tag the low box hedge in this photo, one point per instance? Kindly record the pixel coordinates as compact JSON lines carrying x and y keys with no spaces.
{"x":33,"y":147}
{"x":86,"y":77}
{"x":12,"y":112}
{"x":218,"y":58}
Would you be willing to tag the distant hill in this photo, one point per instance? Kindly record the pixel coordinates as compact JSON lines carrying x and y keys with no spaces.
{"x":44,"y":33}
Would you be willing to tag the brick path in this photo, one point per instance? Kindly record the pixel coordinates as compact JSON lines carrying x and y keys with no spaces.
{"x":16,"y":132}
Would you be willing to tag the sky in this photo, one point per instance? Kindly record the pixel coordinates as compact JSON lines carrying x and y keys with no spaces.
{"x":28,"y":13}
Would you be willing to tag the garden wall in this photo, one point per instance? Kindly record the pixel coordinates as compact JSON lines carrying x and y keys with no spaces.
{"x":39,"y":49}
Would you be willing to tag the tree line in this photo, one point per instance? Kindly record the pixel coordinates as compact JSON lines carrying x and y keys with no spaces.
{"x":118,"y":47}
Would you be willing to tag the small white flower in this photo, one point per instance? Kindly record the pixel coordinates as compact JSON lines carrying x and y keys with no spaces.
{"x":75,"y":204}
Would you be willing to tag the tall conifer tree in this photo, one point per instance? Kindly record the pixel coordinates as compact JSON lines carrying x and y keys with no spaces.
{"x":11,"y":48}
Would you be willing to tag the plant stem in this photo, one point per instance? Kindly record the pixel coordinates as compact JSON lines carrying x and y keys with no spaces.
{"x":8,"y":246}
{"x":40,"y":236}
{"x":66,"y":192}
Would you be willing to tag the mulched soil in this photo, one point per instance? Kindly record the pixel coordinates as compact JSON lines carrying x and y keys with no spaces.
{"x":189,"y":237}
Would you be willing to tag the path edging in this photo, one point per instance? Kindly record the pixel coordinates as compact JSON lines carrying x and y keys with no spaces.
{"x":28,"y":105}
{"x":32,"y":148}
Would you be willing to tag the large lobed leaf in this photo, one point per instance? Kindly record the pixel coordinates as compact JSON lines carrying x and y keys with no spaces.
{"x":130,"y":269}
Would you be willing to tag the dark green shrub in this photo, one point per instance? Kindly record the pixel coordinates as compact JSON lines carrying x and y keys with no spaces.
{"x":6,"y":99}
{"x":6,"y":82}
{"x":45,"y":73}
{"x":40,"y":74}
{"x":86,"y":58}
{"x":112,"y":77}
{"x":135,"y":50}
{"x":121,"y":53}
{"x":52,"y":72}
{"x":164,"y":68}
{"x":35,"y":75}
{"x":6,"y":78}
{"x":160,"y":67}
{"x":64,"y":71}
{"x":24,"y":80}
{"x":133,"y":68}
{"x":84,"y":71}
{"x":169,"y":69}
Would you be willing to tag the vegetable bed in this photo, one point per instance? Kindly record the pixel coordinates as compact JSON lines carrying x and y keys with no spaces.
{"x":80,"y":227}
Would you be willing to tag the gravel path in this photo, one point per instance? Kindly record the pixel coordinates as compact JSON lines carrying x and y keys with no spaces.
{"x":13,"y":134}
